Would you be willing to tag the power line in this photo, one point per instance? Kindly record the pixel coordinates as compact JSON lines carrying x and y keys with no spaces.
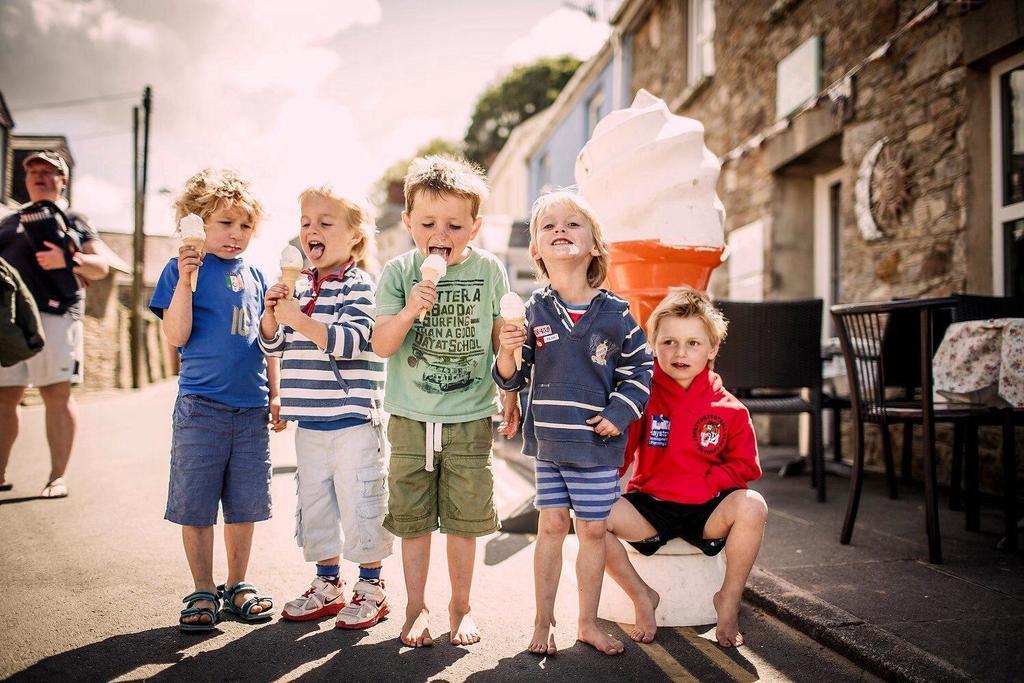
{"x":75,"y":103}
{"x":105,"y":134}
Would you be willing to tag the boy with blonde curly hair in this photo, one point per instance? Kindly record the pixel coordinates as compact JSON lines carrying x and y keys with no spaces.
{"x":440,"y":340}
{"x":331,"y":383}
{"x":220,"y":450}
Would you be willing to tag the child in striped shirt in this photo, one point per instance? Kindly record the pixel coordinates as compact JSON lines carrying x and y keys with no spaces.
{"x":331,"y":384}
{"x":588,"y":370}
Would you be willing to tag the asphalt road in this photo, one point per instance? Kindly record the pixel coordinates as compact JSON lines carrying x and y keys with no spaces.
{"x":91,"y":586}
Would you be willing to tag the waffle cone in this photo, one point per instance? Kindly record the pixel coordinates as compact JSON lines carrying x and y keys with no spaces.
{"x":197,"y":244}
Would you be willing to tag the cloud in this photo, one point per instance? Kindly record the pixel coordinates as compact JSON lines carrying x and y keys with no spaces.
{"x":104,"y":203}
{"x":96,"y":19}
{"x":282,"y":46}
{"x":563,"y":31}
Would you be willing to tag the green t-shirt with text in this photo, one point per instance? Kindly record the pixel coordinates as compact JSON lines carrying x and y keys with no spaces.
{"x":442,"y":371}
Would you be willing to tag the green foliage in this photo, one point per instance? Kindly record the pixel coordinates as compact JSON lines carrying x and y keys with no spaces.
{"x":395,"y":173}
{"x":524,"y":92}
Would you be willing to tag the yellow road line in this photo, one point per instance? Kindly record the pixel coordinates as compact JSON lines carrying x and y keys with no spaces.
{"x":717,"y":656}
{"x":661,"y":657}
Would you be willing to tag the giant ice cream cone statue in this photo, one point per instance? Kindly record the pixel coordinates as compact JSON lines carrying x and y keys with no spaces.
{"x":514,"y":311}
{"x":434,"y":268}
{"x":192,"y":231}
{"x":291,"y":267}
{"x":652,"y":181}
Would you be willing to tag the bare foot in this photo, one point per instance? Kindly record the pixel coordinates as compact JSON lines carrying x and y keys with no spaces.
{"x":463,"y":628}
{"x":543,"y":640}
{"x":646,"y":626}
{"x":415,"y":631}
{"x":727,"y":632}
{"x":591,"y":634}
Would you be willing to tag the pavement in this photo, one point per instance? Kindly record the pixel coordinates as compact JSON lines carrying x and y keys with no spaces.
{"x":878,"y":601}
{"x":92,"y":584}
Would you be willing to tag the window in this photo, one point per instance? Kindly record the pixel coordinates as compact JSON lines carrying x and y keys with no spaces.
{"x":1008,"y":177}
{"x":746,"y":262}
{"x":700,"y":23}
{"x":594,"y":112}
{"x":544,"y":174}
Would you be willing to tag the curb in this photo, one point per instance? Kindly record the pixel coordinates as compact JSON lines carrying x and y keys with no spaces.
{"x":866,"y":645}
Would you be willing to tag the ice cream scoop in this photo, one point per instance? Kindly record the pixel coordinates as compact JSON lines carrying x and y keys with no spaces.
{"x":648,"y":175}
{"x":192,"y":232}
{"x":433,"y":269}
{"x":291,"y":267}
{"x":514,"y":311}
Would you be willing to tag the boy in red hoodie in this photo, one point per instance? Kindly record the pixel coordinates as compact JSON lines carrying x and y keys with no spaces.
{"x":694,"y":453}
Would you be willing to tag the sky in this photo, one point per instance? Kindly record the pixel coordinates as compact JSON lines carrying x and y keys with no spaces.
{"x":289,"y":95}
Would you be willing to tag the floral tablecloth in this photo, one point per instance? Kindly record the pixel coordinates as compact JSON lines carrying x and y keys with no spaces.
{"x":982,"y":361}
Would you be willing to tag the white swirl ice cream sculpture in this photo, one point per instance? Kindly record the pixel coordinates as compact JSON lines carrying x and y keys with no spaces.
{"x":652,"y":182}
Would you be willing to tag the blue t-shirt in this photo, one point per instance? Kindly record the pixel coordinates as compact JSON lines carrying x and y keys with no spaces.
{"x":222,"y":359}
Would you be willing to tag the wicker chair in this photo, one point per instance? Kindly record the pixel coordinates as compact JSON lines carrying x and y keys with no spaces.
{"x":862,"y":330}
{"x":773,"y":351}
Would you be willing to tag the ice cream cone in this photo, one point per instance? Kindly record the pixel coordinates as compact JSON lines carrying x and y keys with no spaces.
{"x":197,"y":244}
{"x":518,"y":353}
{"x":429,"y":275}
{"x":289,"y":276}
{"x":433,"y":268}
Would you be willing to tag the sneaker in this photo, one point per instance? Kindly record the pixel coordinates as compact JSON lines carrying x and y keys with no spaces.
{"x":323,"y":599}
{"x":369,"y":605}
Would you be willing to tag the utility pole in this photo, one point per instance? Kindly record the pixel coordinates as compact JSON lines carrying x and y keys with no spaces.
{"x":140,"y":165}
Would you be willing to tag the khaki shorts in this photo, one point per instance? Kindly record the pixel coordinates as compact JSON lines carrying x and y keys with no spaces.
{"x":60,"y":360}
{"x":457,"y":497}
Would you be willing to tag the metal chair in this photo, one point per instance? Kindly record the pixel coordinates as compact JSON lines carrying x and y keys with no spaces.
{"x":862,"y":335}
{"x":773,"y":351}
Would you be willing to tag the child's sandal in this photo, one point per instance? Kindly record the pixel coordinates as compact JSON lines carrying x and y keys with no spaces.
{"x":190,"y":611}
{"x":244,"y":612}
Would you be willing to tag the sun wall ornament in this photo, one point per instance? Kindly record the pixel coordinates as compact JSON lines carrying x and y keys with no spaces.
{"x":882,"y":191}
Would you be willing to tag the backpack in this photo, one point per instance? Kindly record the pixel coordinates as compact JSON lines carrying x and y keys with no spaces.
{"x":21,"y":331}
{"x":43,"y":222}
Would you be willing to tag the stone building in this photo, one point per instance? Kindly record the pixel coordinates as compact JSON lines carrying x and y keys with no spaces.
{"x":924,"y":104}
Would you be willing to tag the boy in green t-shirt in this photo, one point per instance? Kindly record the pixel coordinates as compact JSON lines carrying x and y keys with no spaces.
{"x":439,"y":390}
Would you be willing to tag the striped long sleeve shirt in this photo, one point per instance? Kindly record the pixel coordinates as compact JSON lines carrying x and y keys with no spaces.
{"x":345,"y":380}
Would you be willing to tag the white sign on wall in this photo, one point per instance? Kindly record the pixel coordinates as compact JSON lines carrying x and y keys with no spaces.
{"x":798,"y":77}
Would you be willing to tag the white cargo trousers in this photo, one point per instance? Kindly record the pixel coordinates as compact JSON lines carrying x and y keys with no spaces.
{"x":341,"y":482}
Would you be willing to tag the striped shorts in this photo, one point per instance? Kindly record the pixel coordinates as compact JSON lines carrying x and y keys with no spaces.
{"x":589,"y":491}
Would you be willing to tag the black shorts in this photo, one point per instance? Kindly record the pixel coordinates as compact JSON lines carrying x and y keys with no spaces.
{"x":676,"y":520}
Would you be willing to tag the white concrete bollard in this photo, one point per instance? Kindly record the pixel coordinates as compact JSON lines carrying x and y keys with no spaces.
{"x":685,"y":578}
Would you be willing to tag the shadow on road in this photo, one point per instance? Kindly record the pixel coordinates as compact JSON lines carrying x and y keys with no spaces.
{"x":23,"y":499}
{"x":266,"y":653}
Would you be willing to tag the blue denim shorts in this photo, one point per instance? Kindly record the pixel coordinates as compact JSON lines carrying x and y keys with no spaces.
{"x":219,"y":454}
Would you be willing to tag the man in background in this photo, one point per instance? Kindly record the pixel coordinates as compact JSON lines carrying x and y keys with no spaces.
{"x":59,"y":365}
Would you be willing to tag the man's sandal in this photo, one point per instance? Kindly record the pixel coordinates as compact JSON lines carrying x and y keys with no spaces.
{"x":58,"y":488}
{"x":190,"y":611}
{"x":244,"y":612}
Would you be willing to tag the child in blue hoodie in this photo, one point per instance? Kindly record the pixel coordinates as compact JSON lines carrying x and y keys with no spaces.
{"x":585,"y":361}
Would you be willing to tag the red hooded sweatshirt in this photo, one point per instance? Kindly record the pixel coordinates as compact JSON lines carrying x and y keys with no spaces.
{"x":691,"y":443}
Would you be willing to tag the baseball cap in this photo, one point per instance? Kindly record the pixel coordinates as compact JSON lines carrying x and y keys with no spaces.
{"x":52,"y":158}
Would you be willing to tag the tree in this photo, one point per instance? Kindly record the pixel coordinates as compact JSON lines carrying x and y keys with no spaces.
{"x":524,"y":92}
{"x":391,"y":181}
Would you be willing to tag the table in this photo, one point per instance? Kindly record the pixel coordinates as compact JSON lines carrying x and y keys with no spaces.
{"x":982,"y":362}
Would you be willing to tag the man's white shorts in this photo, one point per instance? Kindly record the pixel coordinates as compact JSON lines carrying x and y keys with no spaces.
{"x":59,"y":361}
